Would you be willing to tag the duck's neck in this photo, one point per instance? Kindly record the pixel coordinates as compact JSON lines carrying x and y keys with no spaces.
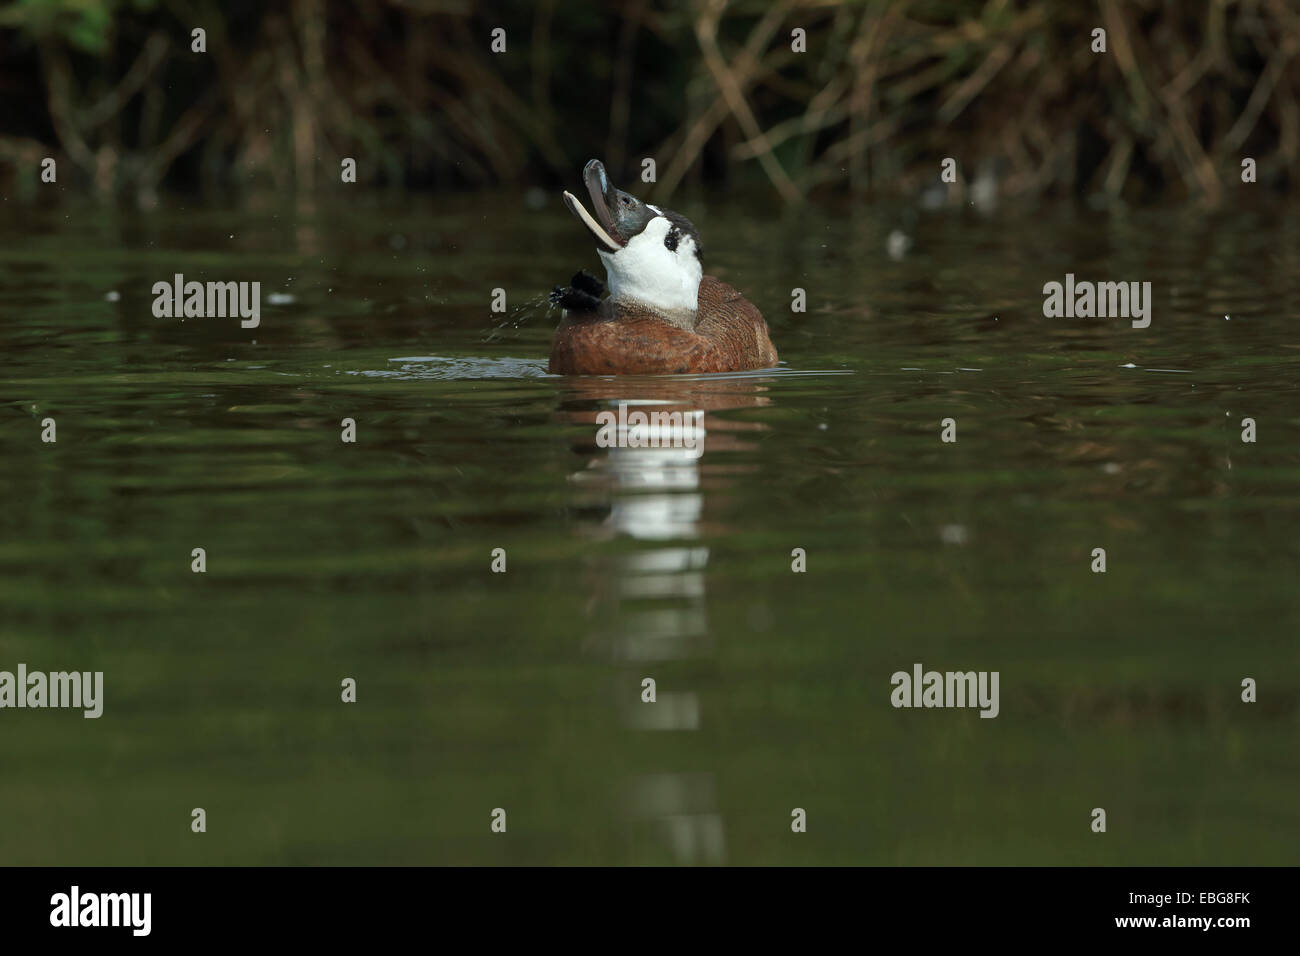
{"x":632,"y":308}
{"x":645,"y":277}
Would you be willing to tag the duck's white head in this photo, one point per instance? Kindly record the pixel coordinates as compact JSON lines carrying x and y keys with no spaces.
{"x":651,"y":255}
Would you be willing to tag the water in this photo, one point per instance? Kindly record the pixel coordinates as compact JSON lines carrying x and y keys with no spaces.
{"x":522,"y":690}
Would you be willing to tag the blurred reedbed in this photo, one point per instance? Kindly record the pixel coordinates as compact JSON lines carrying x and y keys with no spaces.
{"x":868,"y":97}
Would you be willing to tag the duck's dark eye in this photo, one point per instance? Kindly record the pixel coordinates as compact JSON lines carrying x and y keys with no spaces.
{"x":626,"y":201}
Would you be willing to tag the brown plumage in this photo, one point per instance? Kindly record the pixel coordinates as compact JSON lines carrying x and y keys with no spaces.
{"x":729,"y":336}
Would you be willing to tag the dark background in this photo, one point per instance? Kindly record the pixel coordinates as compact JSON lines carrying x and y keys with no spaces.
{"x":711,"y":90}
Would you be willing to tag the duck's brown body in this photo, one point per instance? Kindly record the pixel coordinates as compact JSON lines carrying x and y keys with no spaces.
{"x":729,"y":336}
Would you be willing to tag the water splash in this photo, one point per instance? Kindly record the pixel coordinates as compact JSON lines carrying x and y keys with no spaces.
{"x":537,"y":305}
{"x":455,"y":368}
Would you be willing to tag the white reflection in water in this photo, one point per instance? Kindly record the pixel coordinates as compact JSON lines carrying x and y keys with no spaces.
{"x":660,"y":615}
{"x":669,"y":504}
{"x":672,"y":710}
{"x":681,"y":806}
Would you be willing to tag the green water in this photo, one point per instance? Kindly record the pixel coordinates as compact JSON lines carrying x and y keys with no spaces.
{"x":479,"y":690}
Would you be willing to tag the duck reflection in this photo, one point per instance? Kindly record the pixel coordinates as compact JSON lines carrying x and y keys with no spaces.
{"x":649,"y":492}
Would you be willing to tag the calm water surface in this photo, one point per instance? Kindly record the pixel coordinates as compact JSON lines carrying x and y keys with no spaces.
{"x":522,"y":690}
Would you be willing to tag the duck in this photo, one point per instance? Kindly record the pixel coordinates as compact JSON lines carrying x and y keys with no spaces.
{"x":662,"y":315}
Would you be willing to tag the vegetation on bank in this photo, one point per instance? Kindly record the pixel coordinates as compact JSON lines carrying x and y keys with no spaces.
{"x":712,"y":90}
